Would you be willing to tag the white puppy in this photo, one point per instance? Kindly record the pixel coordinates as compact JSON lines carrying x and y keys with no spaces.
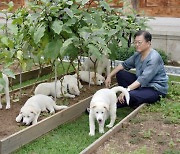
{"x":31,"y":110}
{"x":103,"y":105}
{"x":90,"y":77}
{"x":66,"y":87}
{"x":101,"y":65}
{"x":6,"y":90}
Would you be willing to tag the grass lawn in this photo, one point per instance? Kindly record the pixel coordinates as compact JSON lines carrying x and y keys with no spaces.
{"x":70,"y":138}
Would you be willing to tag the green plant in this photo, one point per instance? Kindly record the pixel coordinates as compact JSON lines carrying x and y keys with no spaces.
{"x":46,"y":30}
{"x":122,"y":53}
{"x":147,"y":134}
{"x":142,"y":150}
{"x":171,"y":151}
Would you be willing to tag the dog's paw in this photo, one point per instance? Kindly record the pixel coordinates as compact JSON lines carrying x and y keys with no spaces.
{"x":72,"y":96}
{"x":7,"y":107}
{"x":18,"y":119}
{"x":109,"y":126}
{"x":101,"y":131}
{"x":52,"y":112}
{"x":0,"y":106}
{"x":91,"y":134}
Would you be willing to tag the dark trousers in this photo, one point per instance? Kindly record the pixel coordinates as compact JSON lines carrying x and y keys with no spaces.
{"x":138,"y":96}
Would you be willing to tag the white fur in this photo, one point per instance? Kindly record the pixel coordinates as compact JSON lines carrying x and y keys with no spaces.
{"x":101,"y":65}
{"x":6,"y":90}
{"x":103,"y":105}
{"x":34,"y":106}
{"x":68,"y":81}
{"x":89,"y":77}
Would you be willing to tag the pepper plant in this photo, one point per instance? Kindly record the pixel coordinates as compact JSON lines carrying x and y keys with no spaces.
{"x":48,"y":30}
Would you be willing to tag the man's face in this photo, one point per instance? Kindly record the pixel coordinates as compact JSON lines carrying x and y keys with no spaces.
{"x":140,"y":44}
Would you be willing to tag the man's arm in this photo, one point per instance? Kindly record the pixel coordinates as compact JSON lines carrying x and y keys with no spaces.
{"x":134,"y":85}
{"x":108,"y":79}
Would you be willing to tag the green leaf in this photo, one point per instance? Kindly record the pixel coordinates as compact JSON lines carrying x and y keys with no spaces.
{"x":70,"y":22}
{"x":69,"y":12}
{"x":71,"y":51}
{"x":94,"y":50}
{"x":105,"y":5}
{"x":84,"y":2}
{"x":65,"y":45}
{"x":23,"y":65}
{"x":52,"y":49}
{"x":39,"y":33}
{"x":13,"y":29}
{"x":98,"y":20}
{"x":4,"y":40}
{"x":57,"y":26}
{"x":112,"y":32}
{"x":85,"y":35}
{"x":77,"y":1}
{"x":3,"y":83}
{"x":19,"y":55}
{"x":9,"y":73}
{"x":69,"y":2}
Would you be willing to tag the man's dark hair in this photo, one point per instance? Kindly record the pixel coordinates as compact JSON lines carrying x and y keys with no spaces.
{"x":146,"y":34}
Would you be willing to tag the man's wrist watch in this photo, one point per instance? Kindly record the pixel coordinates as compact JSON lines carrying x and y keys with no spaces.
{"x":128,"y":89}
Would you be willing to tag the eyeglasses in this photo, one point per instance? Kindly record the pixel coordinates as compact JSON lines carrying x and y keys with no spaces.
{"x":138,"y":43}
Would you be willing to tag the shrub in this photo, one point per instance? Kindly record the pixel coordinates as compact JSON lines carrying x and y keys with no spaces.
{"x":124,"y":53}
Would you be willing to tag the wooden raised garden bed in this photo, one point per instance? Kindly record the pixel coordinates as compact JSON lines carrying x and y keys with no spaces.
{"x":14,"y":141}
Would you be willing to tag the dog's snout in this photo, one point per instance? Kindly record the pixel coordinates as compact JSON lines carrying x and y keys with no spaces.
{"x":99,"y":120}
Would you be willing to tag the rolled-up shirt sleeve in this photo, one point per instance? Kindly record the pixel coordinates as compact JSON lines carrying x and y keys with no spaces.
{"x":149,"y":72}
{"x":129,"y":63}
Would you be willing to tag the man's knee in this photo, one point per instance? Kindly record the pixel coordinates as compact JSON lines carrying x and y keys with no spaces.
{"x":134,"y":99}
{"x":120,"y":74}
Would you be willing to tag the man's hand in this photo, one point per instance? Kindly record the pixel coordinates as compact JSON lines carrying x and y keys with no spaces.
{"x":108,"y":82}
{"x":121,"y":98}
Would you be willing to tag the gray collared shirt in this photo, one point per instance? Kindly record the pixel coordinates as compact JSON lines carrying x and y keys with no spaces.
{"x":150,"y":72}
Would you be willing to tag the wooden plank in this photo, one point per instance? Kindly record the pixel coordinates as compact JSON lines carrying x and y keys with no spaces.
{"x":30,"y":133}
{"x":91,"y":148}
{"x":28,"y":75}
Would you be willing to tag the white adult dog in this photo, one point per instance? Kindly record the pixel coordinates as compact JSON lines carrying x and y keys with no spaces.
{"x":67,"y":87}
{"x":103,"y":105}
{"x":89,"y":77}
{"x":31,"y":110}
{"x":101,"y":65}
{"x":6,"y":90}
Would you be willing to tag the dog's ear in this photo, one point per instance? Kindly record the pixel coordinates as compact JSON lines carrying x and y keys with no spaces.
{"x":106,"y":107}
{"x":92,"y":107}
{"x":34,"y":111}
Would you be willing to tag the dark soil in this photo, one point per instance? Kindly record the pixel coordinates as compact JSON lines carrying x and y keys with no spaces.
{"x":9,"y":126}
{"x":145,"y":134}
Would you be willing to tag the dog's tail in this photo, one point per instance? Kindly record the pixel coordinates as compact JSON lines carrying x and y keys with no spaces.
{"x":60,"y":107}
{"x":123,"y":90}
